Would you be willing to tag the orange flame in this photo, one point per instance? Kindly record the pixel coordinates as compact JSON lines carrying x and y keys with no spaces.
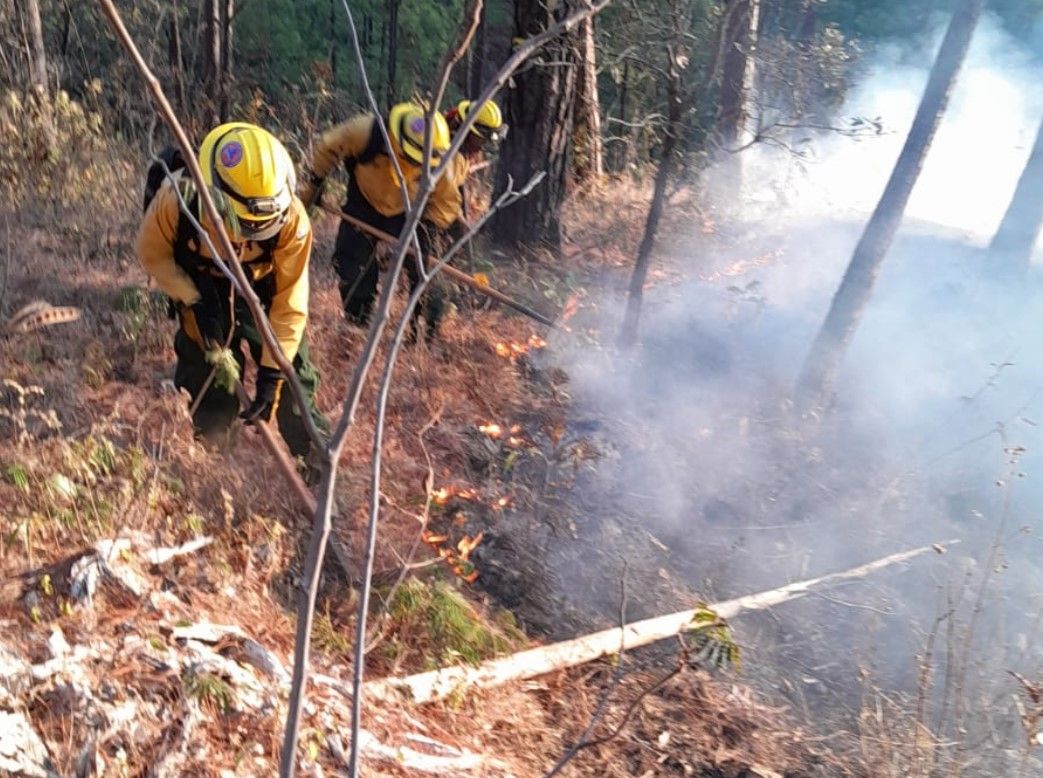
{"x":571,"y":306}
{"x":509,"y":349}
{"x":442,"y":495}
{"x":492,"y":430}
{"x":468,"y":544}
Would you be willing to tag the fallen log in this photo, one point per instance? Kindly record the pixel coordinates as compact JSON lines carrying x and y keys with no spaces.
{"x":439,"y":684}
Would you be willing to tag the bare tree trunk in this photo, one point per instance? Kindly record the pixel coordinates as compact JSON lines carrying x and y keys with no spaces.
{"x":628,"y":333}
{"x":823,"y":363}
{"x":741,"y":22}
{"x":175,"y":57}
{"x":333,"y":44}
{"x":212,"y":10}
{"x":540,"y":113}
{"x":226,"y":42}
{"x":589,"y":158}
{"x":38,"y":61}
{"x":1017,"y":234}
{"x":392,"y":50}
{"x":477,"y":53}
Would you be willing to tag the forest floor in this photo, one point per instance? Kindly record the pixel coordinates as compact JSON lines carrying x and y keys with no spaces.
{"x":112,"y":659}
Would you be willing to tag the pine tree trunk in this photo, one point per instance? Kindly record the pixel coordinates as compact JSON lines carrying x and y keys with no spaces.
{"x":227,"y":44}
{"x":38,"y":60}
{"x":628,"y":332}
{"x":476,"y":74}
{"x":392,"y":50}
{"x":540,"y":110}
{"x":590,"y":158}
{"x":1017,"y":234}
{"x":175,"y":57}
{"x":737,"y":72}
{"x":213,"y":58}
{"x":819,"y":374}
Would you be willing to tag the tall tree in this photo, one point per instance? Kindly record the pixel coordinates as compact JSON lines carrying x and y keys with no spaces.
{"x":391,"y":22}
{"x":741,"y":23}
{"x":227,"y":53}
{"x":1019,"y":230}
{"x":677,"y":60}
{"x":212,"y":10}
{"x":589,"y":154}
{"x":540,"y":113}
{"x":38,"y":52}
{"x":827,"y":352}
{"x":176,"y":57}
{"x":476,"y":56}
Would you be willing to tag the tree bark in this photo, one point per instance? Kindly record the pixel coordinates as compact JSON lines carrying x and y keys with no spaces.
{"x":212,"y":9}
{"x":175,"y":58}
{"x":737,"y":73}
{"x":590,"y":164}
{"x":392,"y":50}
{"x":737,"y":70}
{"x":476,"y":74}
{"x":38,"y":61}
{"x":1017,"y":234}
{"x":628,"y":333}
{"x":227,"y":49}
{"x":820,"y":369}
{"x":540,"y":109}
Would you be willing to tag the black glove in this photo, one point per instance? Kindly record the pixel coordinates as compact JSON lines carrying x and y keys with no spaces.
{"x":458,"y":230}
{"x":208,"y":321}
{"x":266,"y":398}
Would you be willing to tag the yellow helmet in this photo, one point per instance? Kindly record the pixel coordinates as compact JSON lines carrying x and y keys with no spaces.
{"x":252,"y":174}
{"x":489,"y":122}
{"x":407,"y":123}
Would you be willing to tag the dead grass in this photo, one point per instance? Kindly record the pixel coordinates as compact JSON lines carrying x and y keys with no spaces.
{"x":124,"y":459}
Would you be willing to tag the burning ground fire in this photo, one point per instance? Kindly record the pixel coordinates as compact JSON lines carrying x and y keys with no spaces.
{"x":457,"y":558}
{"x":510,"y":349}
{"x":514,"y":434}
{"x":743,"y":266}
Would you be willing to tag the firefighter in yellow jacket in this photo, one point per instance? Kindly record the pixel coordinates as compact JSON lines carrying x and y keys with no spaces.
{"x":448,"y":207}
{"x":375,"y":196}
{"x":251,"y":176}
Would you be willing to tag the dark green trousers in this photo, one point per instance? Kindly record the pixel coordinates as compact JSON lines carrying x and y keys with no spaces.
{"x":218,"y":409}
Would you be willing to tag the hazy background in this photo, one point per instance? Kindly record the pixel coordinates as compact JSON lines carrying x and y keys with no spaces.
{"x":942,"y":386}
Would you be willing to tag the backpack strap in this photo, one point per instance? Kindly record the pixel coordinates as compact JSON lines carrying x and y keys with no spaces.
{"x":374,"y":147}
{"x":154,"y":177}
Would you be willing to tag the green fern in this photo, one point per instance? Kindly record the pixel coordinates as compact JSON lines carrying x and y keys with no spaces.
{"x":712,"y":643}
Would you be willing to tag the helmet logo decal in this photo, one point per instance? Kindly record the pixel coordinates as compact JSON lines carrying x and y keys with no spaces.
{"x":231,"y":154}
{"x":417,"y":125}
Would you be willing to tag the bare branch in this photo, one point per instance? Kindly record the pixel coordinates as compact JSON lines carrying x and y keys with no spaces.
{"x":358,"y":665}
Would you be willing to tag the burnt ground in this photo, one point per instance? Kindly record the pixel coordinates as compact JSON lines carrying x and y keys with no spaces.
{"x":682,"y":468}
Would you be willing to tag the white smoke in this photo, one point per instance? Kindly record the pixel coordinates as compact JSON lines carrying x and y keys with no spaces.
{"x":976,"y":157}
{"x":930,"y":413}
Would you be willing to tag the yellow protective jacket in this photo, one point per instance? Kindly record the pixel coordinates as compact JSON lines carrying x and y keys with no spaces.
{"x":289,"y":263}
{"x":447,"y":201}
{"x":374,"y":173}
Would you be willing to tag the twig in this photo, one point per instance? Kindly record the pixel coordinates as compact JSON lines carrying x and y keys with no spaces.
{"x":631,"y":708}
{"x":7,"y":264}
{"x":617,"y":676}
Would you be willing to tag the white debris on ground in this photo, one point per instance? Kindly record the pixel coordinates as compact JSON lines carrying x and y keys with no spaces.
{"x":155,"y":694}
